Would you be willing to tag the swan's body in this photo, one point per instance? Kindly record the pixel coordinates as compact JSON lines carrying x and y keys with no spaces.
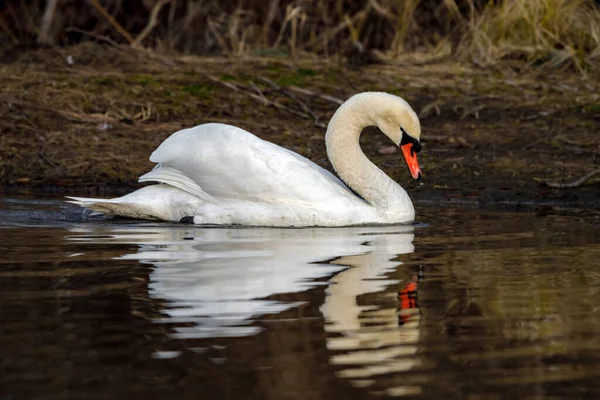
{"x":220,"y":174}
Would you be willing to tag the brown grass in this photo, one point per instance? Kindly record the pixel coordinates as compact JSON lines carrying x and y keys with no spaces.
{"x":93,"y":123}
{"x":550,"y":32}
{"x":553,"y":33}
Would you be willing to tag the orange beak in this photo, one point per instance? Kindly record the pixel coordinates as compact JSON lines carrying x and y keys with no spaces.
{"x":411,"y":160}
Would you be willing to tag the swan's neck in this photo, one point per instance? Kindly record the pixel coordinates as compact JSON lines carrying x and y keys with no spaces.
{"x":351,"y":164}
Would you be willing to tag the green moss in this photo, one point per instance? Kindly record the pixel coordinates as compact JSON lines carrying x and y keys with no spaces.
{"x":593,"y":108}
{"x":144,"y":79}
{"x":306,"y":72}
{"x":288,"y":81}
{"x":102,"y":81}
{"x":293,"y":78}
{"x":275,"y":53}
{"x":199,"y":90}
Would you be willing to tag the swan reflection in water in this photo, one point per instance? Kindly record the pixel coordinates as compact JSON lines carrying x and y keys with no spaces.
{"x":216,"y":281}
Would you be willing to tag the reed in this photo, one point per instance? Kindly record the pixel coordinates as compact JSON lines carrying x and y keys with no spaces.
{"x":543,"y":32}
{"x":553,"y":33}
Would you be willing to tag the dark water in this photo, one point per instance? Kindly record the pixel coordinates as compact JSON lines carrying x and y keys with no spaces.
{"x":466,"y":305}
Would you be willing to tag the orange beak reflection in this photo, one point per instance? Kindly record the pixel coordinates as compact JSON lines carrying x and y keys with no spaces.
{"x":411,"y":160}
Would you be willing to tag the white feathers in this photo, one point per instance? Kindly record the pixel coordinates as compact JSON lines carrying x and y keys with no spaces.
{"x":173,"y":177}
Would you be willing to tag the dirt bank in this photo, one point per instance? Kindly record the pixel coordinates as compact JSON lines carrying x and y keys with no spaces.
{"x":84,"y":120}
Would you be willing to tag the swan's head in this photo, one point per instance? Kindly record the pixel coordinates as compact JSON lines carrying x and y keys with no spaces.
{"x":397,"y":120}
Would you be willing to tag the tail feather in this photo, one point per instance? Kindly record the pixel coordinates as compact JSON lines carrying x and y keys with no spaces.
{"x":173,"y":177}
{"x":153,"y":202}
{"x":174,"y":197}
{"x":118,"y":206}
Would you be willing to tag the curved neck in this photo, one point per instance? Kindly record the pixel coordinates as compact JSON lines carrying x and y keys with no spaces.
{"x":351,"y":164}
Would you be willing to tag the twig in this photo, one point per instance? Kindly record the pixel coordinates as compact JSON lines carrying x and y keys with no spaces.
{"x":139,"y":50}
{"x":296,"y":99}
{"x":31,"y":25}
{"x":112,"y":21}
{"x":305,"y":108}
{"x":307,"y":92}
{"x":575,"y":183}
{"x":537,"y":115}
{"x":466,"y":111}
{"x":151,"y":24}
{"x":7,"y":30}
{"x":323,"y":40}
{"x":433,"y":106}
{"x":260,"y":93}
{"x":42,"y":150}
{"x":579,"y":150}
{"x":94,"y":35}
{"x":573,"y":142}
{"x":257,"y":97}
{"x":435,"y":138}
{"x":542,"y":139}
{"x":218,"y":36}
{"x":382,"y":11}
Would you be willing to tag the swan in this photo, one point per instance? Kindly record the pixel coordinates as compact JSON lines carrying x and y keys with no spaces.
{"x":218,"y":174}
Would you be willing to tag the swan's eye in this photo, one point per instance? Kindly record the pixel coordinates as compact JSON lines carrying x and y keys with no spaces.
{"x":406,"y":138}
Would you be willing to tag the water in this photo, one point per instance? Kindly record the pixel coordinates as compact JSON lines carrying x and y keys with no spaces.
{"x":466,"y":304}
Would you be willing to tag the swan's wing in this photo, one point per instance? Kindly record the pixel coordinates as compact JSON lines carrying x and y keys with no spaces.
{"x":229,"y":162}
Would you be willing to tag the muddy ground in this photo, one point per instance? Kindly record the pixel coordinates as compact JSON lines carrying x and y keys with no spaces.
{"x":83,"y":120}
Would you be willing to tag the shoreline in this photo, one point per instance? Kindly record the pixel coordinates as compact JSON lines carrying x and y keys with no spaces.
{"x":489,"y":136}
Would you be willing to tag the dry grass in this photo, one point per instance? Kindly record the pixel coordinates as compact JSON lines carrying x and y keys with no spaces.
{"x":93,"y":123}
{"x":544,"y":32}
{"x":554,"y":33}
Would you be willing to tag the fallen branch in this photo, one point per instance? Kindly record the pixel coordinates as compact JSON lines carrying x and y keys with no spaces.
{"x":575,"y":183}
{"x":435,"y":138}
{"x":566,"y":140}
{"x":579,"y":150}
{"x":307,"y":92}
{"x":305,"y":108}
{"x":542,"y":139}
{"x":580,"y":146}
{"x":42,"y":152}
{"x":433,"y":106}
{"x":255,"y":96}
{"x":296,"y":99}
{"x":260,"y":93}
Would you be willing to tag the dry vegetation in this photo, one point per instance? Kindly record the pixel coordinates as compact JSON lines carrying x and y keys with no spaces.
{"x":91,"y":124}
{"x":556,"y":33}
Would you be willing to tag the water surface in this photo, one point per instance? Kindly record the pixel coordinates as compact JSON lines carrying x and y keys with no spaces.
{"x":464,"y":304}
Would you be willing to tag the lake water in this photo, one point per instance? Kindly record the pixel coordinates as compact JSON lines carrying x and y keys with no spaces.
{"x":464,"y":304}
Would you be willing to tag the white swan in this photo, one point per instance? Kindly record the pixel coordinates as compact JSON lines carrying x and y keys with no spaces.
{"x":222,"y":175}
